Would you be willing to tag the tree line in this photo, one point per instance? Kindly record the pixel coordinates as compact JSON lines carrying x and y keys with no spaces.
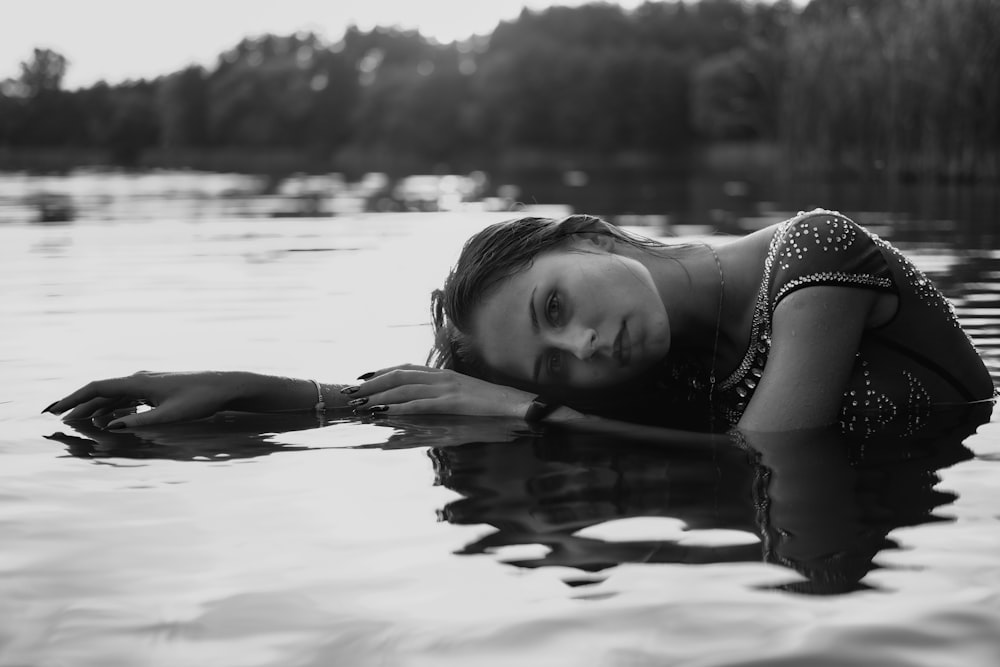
{"x":902,"y":86}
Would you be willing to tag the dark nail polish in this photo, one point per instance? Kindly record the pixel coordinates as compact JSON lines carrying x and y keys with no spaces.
{"x":116,"y":426}
{"x":357,"y":401}
{"x":366,"y":376}
{"x":378,"y":408}
{"x":51,"y":405}
{"x":349,"y":390}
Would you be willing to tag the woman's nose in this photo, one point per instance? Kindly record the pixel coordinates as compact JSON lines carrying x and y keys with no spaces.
{"x":581,"y":342}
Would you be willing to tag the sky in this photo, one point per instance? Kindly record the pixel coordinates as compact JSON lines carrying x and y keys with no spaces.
{"x":115,"y":40}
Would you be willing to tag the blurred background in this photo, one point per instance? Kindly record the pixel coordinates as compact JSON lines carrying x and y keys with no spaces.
{"x":721,"y":115}
{"x":278,"y":186}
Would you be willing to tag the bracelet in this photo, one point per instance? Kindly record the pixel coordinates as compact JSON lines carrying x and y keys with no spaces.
{"x":320,"y":406}
{"x":539,"y":410}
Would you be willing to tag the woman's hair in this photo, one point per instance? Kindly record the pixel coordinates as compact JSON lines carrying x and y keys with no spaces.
{"x":487,"y":259}
{"x":506,"y":248}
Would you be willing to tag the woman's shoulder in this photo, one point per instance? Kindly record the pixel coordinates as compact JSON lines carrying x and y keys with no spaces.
{"x":825,"y":228}
{"x":812,"y":248}
{"x":819,"y":232}
{"x":824,"y":247}
{"x":818,"y":214}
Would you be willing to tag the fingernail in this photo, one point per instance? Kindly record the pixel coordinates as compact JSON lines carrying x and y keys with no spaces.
{"x":378,"y":408}
{"x":52,"y":405}
{"x":115,"y":426}
{"x":357,"y":401}
{"x":349,"y":390}
{"x":367,"y":376}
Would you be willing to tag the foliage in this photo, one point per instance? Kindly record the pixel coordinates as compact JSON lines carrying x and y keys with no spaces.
{"x":897,"y":86}
{"x":43,"y":73}
{"x":909,"y":86}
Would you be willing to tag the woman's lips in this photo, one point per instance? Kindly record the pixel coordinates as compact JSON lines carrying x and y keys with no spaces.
{"x":623,"y":346}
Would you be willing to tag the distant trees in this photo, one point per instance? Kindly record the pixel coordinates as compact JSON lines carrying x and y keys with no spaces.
{"x":133,"y":124}
{"x":584,"y":81}
{"x":33,"y":106}
{"x":182,"y":108}
{"x":910,"y":87}
{"x":43,"y":73}
{"x":412,"y":97}
{"x":896,"y":86}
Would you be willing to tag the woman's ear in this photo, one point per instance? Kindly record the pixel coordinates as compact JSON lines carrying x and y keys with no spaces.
{"x":589,"y":229}
{"x":602,"y":240}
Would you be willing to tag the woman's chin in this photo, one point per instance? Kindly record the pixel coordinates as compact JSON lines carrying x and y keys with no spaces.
{"x":625,"y":376}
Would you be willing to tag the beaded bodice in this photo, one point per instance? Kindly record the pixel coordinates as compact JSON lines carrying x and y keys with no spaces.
{"x":920,"y":358}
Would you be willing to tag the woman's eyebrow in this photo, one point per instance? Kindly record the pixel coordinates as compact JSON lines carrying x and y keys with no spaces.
{"x":531,"y":311}
{"x":534,"y":327}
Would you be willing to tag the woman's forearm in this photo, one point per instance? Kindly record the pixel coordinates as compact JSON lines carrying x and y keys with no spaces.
{"x":191,"y":395}
{"x":255,"y":392}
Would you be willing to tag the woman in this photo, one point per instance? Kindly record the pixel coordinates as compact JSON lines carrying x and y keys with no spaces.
{"x":807,"y":323}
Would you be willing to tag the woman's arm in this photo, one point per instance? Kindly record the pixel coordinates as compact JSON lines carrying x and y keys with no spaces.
{"x":178,"y":397}
{"x":409,"y":390}
{"x":414,"y":390}
{"x":815,"y":336}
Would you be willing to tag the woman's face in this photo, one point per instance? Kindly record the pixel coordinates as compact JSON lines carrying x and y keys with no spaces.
{"x":580,"y":317}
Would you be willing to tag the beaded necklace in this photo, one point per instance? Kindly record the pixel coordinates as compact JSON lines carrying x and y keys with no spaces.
{"x":718,"y":327}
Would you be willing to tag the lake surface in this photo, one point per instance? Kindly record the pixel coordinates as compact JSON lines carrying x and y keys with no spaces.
{"x":252,"y":541}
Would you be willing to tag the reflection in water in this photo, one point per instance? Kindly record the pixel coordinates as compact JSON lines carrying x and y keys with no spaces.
{"x":814,"y":502}
{"x":225,"y":437}
{"x":973,"y":285}
{"x":820,"y":505}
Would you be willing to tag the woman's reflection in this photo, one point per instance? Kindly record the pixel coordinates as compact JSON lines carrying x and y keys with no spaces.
{"x":817,"y":503}
{"x":821,"y":505}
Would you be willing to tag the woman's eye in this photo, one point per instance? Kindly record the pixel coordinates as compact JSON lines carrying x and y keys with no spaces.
{"x":554,"y":363}
{"x":553,"y":309}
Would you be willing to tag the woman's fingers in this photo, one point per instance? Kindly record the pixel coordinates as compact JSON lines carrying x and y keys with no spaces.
{"x":438,"y":398}
{"x":174,"y":397}
{"x":400,"y":377}
{"x":91,"y":408}
{"x":420,"y":406}
{"x":116,"y":410}
{"x":115,"y":388}
{"x":383,"y":371}
{"x":169,"y":411}
{"x":400,"y":394}
{"x":434,"y":391}
{"x":409,"y":392}
{"x":104,"y":416}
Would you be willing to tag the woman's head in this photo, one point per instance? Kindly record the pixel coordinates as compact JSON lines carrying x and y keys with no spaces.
{"x":538,"y":302}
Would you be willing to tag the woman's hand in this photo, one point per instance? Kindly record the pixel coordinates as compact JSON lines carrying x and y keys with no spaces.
{"x":409,"y":389}
{"x":173,"y":397}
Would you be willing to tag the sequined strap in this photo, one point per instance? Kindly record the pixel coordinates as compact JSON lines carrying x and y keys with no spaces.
{"x":826,"y":248}
{"x":760,"y":326}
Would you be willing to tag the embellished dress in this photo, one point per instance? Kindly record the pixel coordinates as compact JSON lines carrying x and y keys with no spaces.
{"x":920,"y":359}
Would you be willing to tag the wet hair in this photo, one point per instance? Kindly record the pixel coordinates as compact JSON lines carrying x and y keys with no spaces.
{"x":490,"y":257}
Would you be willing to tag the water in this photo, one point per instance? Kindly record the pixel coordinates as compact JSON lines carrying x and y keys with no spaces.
{"x":437,"y":541}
